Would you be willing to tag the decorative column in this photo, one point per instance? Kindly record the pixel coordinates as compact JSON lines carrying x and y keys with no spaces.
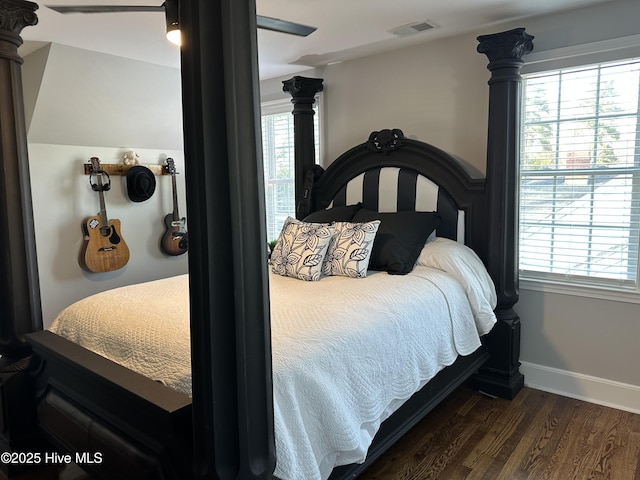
{"x":228,"y":282}
{"x":505,"y":50}
{"x":20,"y":310}
{"x":19,"y":285}
{"x":303,"y":91}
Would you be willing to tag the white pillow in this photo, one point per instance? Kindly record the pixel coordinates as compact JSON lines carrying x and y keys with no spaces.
{"x":465,"y":266}
{"x":350,"y":249}
{"x":300,"y":249}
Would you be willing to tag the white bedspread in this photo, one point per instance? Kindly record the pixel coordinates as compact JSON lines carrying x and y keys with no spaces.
{"x":346,"y":352}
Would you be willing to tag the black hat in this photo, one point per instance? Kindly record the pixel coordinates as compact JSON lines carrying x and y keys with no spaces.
{"x":141,"y":183}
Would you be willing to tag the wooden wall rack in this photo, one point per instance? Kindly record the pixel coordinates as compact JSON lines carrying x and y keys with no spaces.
{"x":122,"y":169}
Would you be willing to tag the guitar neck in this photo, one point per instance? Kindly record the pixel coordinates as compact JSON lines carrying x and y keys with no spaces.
{"x":103,"y":208}
{"x":176,"y":215}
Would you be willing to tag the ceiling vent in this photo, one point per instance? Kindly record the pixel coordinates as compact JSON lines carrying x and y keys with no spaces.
{"x":412,"y":28}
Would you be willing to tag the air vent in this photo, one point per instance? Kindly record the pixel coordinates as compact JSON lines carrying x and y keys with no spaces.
{"x":412,"y":28}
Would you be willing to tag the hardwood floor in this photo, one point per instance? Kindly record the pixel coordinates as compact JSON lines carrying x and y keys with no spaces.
{"x":471,"y":436}
{"x":535,"y":436}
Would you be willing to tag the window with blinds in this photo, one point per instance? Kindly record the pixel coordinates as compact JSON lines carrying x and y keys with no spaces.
{"x":278,"y":157}
{"x":580,"y":175}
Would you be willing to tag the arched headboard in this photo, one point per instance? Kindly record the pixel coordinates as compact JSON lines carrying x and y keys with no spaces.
{"x":391,"y":173}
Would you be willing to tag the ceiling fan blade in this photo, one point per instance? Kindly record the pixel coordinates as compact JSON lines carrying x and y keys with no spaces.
{"x":105,"y":8}
{"x":267,"y":23}
{"x":283,"y":26}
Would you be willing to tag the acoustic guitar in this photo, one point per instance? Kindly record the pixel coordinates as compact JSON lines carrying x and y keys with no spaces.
{"x":103,"y":249}
{"x":174,"y":241}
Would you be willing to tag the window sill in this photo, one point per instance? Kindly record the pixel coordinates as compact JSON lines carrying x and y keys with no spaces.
{"x":547,"y":286}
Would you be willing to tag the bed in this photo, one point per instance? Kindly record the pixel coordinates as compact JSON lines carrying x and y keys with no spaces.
{"x":346,"y":352}
{"x":82,"y":403}
{"x":322,"y":332}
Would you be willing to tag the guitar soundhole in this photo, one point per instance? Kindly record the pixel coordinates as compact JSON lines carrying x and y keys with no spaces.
{"x":114,"y":238}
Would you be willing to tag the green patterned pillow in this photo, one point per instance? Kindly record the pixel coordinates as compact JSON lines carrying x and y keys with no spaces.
{"x":300,"y":249}
{"x":350,"y":249}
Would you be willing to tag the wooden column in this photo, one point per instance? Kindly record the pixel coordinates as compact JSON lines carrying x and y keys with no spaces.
{"x":19,"y":286}
{"x":229,"y":303}
{"x":303,"y":91}
{"x":505,"y":50}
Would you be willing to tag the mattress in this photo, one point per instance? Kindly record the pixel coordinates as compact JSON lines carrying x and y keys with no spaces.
{"x":346,"y":352}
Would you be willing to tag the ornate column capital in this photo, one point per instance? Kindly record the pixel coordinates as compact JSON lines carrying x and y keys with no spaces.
{"x":17,"y":14}
{"x":302,"y":88}
{"x":509,"y":45}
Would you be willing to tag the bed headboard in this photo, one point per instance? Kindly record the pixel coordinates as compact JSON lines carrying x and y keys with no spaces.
{"x":390,"y":173}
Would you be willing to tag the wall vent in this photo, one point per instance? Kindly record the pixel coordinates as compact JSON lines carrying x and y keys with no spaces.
{"x":412,"y":28}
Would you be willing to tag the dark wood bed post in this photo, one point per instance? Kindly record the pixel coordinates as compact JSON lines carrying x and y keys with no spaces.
{"x":505,"y":50}
{"x":19,"y":285}
{"x":231,"y":355}
{"x":303,"y":91}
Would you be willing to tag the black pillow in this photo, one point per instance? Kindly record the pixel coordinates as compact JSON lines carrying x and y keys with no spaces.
{"x":336,"y":214}
{"x":400,"y":238}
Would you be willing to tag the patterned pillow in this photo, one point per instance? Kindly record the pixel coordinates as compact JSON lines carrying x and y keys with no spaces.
{"x":300,"y":249}
{"x":350,"y":249}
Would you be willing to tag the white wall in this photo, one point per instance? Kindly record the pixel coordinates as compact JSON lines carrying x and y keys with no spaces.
{"x":79,"y":97}
{"x":438,"y":93}
{"x":81,"y":104}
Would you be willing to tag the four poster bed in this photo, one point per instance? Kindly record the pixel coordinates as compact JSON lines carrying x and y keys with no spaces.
{"x":346,"y":351}
{"x":79,"y":401}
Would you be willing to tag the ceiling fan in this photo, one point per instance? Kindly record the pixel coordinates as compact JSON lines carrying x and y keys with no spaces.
{"x":170,"y":7}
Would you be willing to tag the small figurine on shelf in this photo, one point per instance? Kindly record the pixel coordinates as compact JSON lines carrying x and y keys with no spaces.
{"x":130,"y":158}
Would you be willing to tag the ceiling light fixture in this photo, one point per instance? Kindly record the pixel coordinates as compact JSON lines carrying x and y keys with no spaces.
{"x":173,"y":24}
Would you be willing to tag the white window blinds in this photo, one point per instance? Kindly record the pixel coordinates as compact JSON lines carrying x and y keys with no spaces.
{"x":580,"y":175}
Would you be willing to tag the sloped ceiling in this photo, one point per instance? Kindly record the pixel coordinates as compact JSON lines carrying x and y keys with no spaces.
{"x":80,"y":97}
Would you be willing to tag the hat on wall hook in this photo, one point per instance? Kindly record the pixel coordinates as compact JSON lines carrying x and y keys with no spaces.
{"x":141,"y":183}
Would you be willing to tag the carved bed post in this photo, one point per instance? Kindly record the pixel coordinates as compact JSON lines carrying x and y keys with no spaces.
{"x":20,"y":310}
{"x":19,"y":285}
{"x":303,"y":91}
{"x":501,"y":374}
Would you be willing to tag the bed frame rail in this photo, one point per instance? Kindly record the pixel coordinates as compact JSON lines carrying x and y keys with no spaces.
{"x":115,"y":422}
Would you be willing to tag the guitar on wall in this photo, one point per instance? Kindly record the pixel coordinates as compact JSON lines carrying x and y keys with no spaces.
{"x":175,"y":240}
{"x":103,"y":249}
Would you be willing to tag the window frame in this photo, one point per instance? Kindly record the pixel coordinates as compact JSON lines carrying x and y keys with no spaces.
{"x":582,"y":55}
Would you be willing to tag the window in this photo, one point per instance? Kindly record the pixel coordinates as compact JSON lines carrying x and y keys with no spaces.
{"x":580,"y":175}
{"x":278,"y":156}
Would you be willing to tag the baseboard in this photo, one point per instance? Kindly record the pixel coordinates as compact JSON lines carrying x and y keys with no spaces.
{"x":601,"y":391}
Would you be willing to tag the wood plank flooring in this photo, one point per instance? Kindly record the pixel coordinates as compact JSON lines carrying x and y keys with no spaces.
{"x":536,"y":436}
